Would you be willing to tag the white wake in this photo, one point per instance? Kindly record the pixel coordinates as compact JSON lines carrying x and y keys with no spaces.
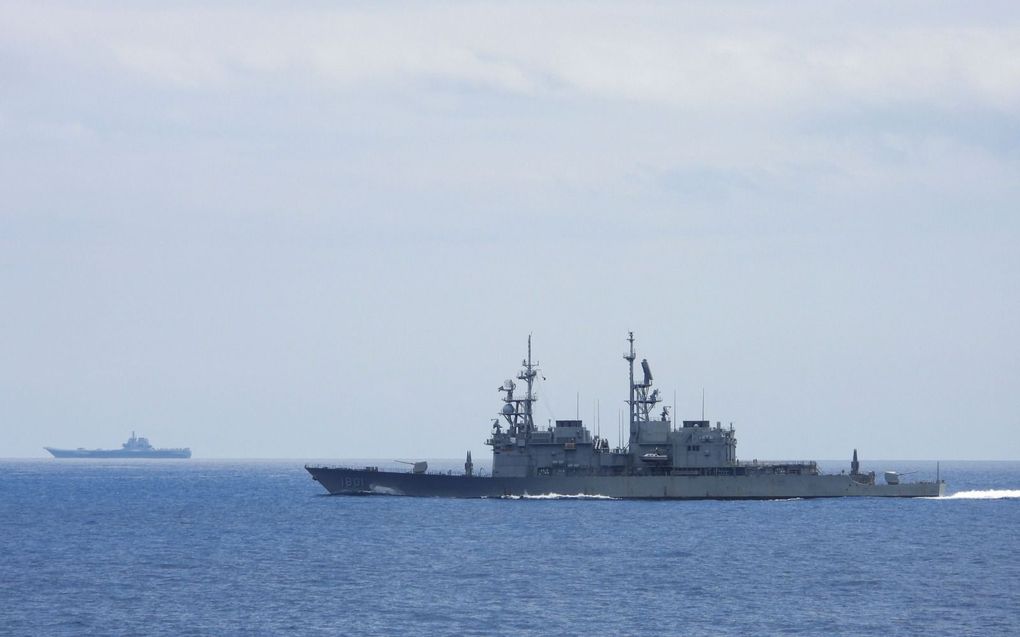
{"x":559,"y":496}
{"x":991,"y":494}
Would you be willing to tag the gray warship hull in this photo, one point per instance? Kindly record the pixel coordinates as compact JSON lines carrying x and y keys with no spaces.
{"x":345,"y":481}
{"x":118,"y":453}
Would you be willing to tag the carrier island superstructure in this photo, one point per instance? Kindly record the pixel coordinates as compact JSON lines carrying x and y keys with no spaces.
{"x":661,"y":459}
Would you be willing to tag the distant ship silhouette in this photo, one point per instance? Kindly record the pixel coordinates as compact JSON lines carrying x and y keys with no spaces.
{"x":133,"y":448}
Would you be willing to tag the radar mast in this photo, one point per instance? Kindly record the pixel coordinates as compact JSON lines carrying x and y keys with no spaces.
{"x":518,"y":411}
{"x":641,"y":401}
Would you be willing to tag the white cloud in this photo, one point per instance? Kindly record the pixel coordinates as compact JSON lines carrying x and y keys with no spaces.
{"x":697,"y":56}
{"x":578,"y":97}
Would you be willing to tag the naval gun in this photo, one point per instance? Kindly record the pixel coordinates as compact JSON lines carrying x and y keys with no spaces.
{"x":416,"y":467}
{"x":893,"y":477}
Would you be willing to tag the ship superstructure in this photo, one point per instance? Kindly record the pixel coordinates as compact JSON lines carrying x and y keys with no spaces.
{"x":655,"y":445}
{"x":661,"y":458}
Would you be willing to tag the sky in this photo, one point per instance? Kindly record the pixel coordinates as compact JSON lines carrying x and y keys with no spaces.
{"x":326,"y":230}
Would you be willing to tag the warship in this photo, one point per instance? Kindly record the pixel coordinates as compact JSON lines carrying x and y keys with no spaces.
{"x":134,"y":448}
{"x":661,"y":459}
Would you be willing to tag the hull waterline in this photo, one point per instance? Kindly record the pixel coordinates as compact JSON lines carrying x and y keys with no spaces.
{"x":344,"y":481}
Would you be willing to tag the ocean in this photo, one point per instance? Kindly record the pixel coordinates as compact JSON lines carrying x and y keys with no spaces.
{"x":207,"y":547}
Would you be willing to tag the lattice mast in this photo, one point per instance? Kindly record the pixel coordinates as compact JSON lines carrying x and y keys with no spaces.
{"x":518,"y":411}
{"x":640,"y":400}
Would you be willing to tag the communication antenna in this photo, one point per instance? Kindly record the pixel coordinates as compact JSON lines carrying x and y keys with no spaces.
{"x":631,"y":397}
{"x":674,"y":409}
{"x":702,"y":403}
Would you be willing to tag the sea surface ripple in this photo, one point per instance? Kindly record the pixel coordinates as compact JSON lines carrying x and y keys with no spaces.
{"x":205,"y":547}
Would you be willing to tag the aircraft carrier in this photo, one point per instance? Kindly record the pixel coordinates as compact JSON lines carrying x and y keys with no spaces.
{"x":661,"y":459}
{"x":134,"y":448}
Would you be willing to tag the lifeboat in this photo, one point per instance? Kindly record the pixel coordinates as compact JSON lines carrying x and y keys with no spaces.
{"x":655,"y":457}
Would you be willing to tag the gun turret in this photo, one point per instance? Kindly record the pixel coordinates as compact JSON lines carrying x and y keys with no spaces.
{"x":416,"y":467}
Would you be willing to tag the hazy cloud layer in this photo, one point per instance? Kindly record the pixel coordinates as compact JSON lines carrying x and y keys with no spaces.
{"x":266,"y":230}
{"x":702,"y":55}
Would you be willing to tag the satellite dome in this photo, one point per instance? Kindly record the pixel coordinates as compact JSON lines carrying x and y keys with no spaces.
{"x":508,"y":409}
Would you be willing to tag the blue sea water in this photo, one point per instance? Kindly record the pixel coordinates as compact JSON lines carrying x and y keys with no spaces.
{"x":255,"y":548}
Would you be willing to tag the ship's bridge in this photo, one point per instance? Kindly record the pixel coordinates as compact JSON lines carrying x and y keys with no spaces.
{"x":698,"y":444}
